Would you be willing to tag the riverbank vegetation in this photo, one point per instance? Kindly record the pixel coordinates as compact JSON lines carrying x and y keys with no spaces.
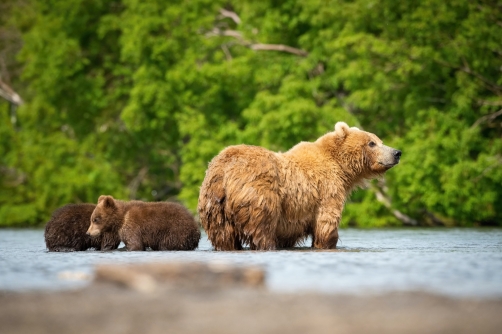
{"x":133,"y":98}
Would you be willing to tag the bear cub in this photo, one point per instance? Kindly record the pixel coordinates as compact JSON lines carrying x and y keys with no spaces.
{"x":158,"y":225}
{"x":66,"y":230}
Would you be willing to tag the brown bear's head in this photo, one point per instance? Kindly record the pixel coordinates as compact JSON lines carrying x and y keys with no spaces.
{"x":105,"y":216}
{"x":362,"y":153}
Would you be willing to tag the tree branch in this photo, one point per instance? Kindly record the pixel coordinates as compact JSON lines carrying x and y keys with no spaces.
{"x":13,"y":178}
{"x":136,"y":182}
{"x":9,"y":94}
{"x":257,"y":46}
{"x":490,"y":103}
{"x":435,"y":220}
{"x":231,"y":15}
{"x":385,"y":200}
{"x":496,"y":164}
{"x":466,"y":69}
{"x":230,"y":33}
{"x":226,"y":51}
{"x":485,"y":118}
{"x":279,"y":47}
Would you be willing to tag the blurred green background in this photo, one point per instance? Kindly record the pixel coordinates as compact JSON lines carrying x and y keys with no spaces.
{"x":133,"y":98}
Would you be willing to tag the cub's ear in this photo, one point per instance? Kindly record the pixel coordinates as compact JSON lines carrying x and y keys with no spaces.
{"x":342,"y":129}
{"x":108,"y":201}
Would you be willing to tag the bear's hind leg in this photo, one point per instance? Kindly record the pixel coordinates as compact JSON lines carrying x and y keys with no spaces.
{"x":287,"y":243}
{"x":263,"y":243}
{"x":225,"y":238}
{"x":264,"y":236}
{"x":219,"y":228}
{"x":257,"y":221}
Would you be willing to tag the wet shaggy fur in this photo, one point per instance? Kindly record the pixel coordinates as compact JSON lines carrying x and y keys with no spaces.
{"x":157,"y":225}
{"x":66,"y":230}
{"x":268,"y":200}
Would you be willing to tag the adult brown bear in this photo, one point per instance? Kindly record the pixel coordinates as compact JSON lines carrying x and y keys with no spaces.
{"x":270,"y":200}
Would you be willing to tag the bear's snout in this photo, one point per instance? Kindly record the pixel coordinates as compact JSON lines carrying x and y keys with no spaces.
{"x":93,"y":231}
{"x":397,"y":155}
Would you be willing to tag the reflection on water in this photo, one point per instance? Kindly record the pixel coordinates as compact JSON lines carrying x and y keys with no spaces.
{"x":457,"y":262}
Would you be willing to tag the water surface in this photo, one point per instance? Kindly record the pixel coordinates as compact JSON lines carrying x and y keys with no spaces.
{"x":455,"y":262}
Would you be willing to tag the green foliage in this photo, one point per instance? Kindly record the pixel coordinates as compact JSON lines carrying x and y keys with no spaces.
{"x":134,"y":98}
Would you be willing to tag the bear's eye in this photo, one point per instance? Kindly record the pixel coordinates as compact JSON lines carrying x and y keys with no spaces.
{"x":372,"y":144}
{"x":95,"y":220}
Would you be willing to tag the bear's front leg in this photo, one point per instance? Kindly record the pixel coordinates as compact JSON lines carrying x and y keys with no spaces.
{"x":110,"y":241}
{"x":132,"y":240}
{"x":134,"y":244}
{"x":325,"y":232}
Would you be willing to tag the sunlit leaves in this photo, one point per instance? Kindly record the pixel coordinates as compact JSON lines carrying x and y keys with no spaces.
{"x":134,"y":98}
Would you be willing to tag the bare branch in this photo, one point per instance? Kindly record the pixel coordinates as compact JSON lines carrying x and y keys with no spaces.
{"x":466,"y":69}
{"x":496,"y":164}
{"x":433,"y":218}
{"x":485,"y":118}
{"x":490,"y":103}
{"x":230,"y":33}
{"x":226,"y":51}
{"x":136,"y":182}
{"x":257,"y":46}
{"x":230,"y":14}
{"x":9,"y":94}
{"x":317,"y":70}
{"x":404,"y":218}
{"x":279,"y":47}
{"x":385,"y":200}
{"x":13,"y":177}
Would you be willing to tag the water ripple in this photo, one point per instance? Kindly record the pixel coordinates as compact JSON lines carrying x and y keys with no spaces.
{"x":455,"y":262}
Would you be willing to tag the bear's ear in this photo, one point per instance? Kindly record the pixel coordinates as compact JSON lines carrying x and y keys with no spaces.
{"x":108,"y":201}
{"x":342,"y":129}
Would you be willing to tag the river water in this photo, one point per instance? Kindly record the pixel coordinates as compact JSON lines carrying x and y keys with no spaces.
{"x":453,"y":262}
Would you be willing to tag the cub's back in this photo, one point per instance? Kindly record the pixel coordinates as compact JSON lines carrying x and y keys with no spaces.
{"x":164,"y":225}
{"x":159,"y":214}
{"x":68,"y":226}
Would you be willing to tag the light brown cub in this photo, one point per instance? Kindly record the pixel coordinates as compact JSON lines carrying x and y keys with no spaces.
{"x":158,"y":225}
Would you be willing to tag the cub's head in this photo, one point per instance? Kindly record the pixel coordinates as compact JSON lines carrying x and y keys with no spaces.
{"x":361,"y":152}
{"x":104,"y":217}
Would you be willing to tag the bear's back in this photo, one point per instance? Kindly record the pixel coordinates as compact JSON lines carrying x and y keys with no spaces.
{"x":66,"y":230}
{"x":150,"y":212}
{"x":245,"y":156}
{"x":162,"y":223}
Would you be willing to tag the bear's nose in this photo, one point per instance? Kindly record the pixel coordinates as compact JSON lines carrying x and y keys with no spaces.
{"x":397,"y":154}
